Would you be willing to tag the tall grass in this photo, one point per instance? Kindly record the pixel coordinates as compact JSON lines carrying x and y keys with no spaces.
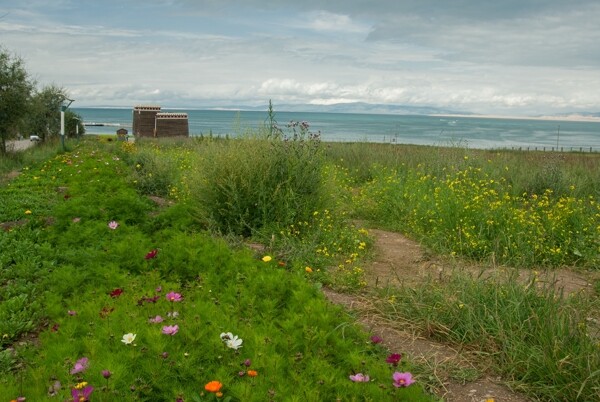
{"x":258,"y":184}
{"x":538,"y":337}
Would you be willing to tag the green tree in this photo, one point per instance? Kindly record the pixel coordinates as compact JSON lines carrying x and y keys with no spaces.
{"x":15,"y":91}
{"x":73,"y":124}
{"x":44,"y":116}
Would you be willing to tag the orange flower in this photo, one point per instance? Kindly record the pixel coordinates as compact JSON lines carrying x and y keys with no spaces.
{"x":252,"y":373}
{"x":213,"y":386}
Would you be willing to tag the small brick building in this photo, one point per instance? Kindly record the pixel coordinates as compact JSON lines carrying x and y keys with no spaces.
{"x":172,"y":125}
{"x":144,"y":120}
{"x":148,"y":121}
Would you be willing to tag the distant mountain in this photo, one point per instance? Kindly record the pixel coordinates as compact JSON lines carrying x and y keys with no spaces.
{"x":355,"y":107}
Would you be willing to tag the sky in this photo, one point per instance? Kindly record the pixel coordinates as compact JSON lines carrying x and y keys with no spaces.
{"x":502,"y":57}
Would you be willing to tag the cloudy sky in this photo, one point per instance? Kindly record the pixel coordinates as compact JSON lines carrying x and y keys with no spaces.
{"x":508,"y":57}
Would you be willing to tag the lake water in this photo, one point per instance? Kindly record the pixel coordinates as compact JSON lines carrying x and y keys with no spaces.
{"x":472,"y":132}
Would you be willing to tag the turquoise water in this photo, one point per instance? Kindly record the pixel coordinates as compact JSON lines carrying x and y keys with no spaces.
{"x":472,"y":132}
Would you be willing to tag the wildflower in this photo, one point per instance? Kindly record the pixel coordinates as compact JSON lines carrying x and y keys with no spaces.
{"x":128,"y":338}
{"x":105,"y":312}
{"x":241,"y":373}
{"x":82,"y":395}
{"x":72,"y":312}
{"x":80,"y":365}
{"x":213,"y":386}
{"x":113,"y":225}
{"x":173,"y":314}
{"x":394,"y":359}
{"x":28,"y":212}
{"x":174,"y":297}
{"x":151,"y":254}
{"x":247,"y":362}
{"x":170,"y":329}
{"x":218,"y":394}
{"x":252,"y":373}
{"x":232,"y":341}
{"x":158,"y":289}
{"x":308,"y":270}
{"x":156,"y":320}
{"x":106,"y":374}
{"x":164,"y":355}
{"x":402,"y":379}
{"x":81,"y":385}
{"x":359,"y":377}
{"x":76,"y":220}
{"x":267,"y":258}
{"x":376,"y":339}
{"x":116,"y":293}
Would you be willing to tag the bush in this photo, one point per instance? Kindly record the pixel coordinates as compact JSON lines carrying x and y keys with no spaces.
{"x":247,"y":185}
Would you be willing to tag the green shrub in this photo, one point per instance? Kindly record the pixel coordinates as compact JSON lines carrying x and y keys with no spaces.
{"x":250,"y":184}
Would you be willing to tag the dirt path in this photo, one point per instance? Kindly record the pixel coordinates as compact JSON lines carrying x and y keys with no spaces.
{"x":456,"y":375}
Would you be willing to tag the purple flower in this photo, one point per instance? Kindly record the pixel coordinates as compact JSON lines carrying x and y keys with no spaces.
{"x":170,"y":329}
{"x":156,"y":320}
{"x":158,"y":289}
{"x":376,"y":339}
{"x":106,"y":374}
{"x":80,"y":365}
{"x":82,"y":395}
{"x":402,"y":379}
{"x":394,"y":359}
{"x":174,"y":297}
{"x":247,"y":362}
{"x":359,"y":377}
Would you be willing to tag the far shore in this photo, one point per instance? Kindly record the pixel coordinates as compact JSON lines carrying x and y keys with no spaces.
{"x":574,"y":117}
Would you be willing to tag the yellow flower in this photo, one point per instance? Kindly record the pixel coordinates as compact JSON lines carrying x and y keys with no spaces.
{"x":81,"y":385}
{"x":28,"y":212}
{"x":308,"y":269}
{"x":267,"y":258}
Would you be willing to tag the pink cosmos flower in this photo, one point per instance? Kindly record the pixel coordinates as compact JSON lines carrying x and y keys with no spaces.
{"x":80,"y":365}
{"x":170,"y":329}
{"x":174,"y":297}
{"x":82,"y":395}
{"x":402,"y":379}
{"x":394,"y":359}
{"x":113,"y":225}
{"x":376,"y":339}
{"x":359,"y":377}
{"x":116,"y":293}
{"x":156,"y":320}
{"x":151,"y":254}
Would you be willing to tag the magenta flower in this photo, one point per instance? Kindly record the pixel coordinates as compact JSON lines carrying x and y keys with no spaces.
{"x":80,"y":365}
{"x":156,"y":320}
{"x":402,"y":379}
{"x":106,"y":374}
{"x":82,"y":395}
{"x":376,"y":339}
{"x":174,"y":297}
{"x":116,"y":293}
{"x":113,"y":225}
{"x":170,"y":329}
{"x":359,"y":377}
{"x":247,"y":362}
{"x":151,"y":254}
{"x":394,"y":359}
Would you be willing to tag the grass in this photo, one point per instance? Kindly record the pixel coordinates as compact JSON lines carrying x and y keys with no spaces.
{"x":77,"y":286}
{"x":73,"y":288}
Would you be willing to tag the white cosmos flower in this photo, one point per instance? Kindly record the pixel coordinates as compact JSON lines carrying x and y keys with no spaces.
{"x":232,"y":341}
{"x":128,"y":338}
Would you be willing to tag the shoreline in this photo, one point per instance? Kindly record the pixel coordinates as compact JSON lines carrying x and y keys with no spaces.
{"x":570,"y":118}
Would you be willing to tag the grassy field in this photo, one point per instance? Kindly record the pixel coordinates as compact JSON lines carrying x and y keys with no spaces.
{"x":125,"y":273}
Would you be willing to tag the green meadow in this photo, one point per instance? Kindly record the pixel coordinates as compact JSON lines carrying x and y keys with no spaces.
{"x":192,"y":269}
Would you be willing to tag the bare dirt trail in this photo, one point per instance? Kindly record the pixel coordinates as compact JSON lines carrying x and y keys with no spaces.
{"x":457,"y":375}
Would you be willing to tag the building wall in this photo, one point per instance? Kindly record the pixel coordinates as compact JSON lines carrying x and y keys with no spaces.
{"x":172,"y":125}
{"x":144,"y":120}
